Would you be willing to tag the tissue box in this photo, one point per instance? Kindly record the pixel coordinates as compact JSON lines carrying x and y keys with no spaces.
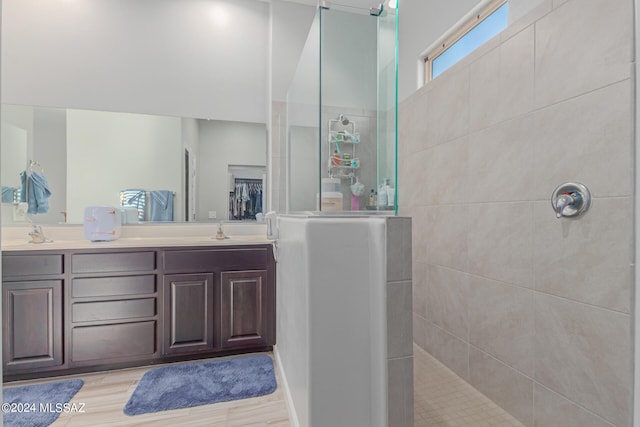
{"x":101,"y":223}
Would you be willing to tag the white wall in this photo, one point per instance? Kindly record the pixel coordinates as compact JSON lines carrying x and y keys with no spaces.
{"x":188,"y":58}
{"x":223,"y":144}
{"x":290,"y":26}
{"x":331,"y":300}
{"x":304,"y":89}
{"x":97,"y":170}
{"x":50,"y":151}
{"x":22,"y":117}
{"x":303,"y":164}
{"x":13,"y":154}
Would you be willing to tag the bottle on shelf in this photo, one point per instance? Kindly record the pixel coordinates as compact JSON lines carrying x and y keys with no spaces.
{"x":372,"y":198}
{"x":336,"y":158}
{"x":383,"y":194}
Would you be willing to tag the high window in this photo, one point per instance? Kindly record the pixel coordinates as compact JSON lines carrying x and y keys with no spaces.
{"x":480,"y":29}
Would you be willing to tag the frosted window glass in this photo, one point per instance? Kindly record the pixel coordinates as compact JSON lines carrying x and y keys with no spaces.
{"x":478,"y":35}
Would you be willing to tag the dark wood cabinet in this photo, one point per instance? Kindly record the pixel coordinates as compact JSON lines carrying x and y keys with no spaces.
{"x":79,"y":310}
{"x":32,"y":325}
{"x":188,"y":313}
{"x":112,"y":307}
{"x":244,"y":313}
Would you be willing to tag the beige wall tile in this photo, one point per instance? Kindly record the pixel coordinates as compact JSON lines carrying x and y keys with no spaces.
{"x":421,"y":106}
{"x":587,"y":258}
{"x":501,"y":322}
{"x":584,"y":353}
{"x":400,"y":394}
{"x":407,"y":135}
{"x":500,"y":166}
{"x":553,"y":410}
{"x":447,"y":299}
{"x":500,"y":242}
{"x":445,"y":172}
{"x":520,"y":145}
{"x":419,"y":331}
{"x":420,"y":289}
{"x":501,"y":84}
{"x":582,"y":46}
{"x":419,"y":233}
{"x":502,"y":384}
{"x":398,"y":249}
{"x":529,"y":18}
{"x":399,"y":320}
{"x":451,"y":351}
{"x":448,"y":107}
{"x":586,"y":139}
{"x":413,"y":178}
{"x":446,"y":235}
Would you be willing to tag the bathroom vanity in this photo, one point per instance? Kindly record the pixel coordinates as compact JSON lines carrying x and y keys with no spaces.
{"x":81,"y":306}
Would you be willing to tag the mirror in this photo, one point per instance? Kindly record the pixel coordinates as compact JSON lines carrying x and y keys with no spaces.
{"x":211,"y":169}
{"x":13,"y":157}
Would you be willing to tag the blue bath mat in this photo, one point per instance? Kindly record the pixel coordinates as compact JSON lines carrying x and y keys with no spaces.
{"x":37,"y":405}
{"x":194,"y":384}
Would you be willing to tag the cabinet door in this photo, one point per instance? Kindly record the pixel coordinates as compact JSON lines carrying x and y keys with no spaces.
{"x":243,"y":310}
{"x":32,"y":325}
{"x":188,"y":313}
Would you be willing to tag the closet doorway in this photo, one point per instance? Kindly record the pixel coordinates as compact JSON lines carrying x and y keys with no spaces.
{"x":246,"y":191}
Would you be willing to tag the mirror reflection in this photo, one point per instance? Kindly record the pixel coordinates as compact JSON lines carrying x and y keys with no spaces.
{"x":156,"y":168}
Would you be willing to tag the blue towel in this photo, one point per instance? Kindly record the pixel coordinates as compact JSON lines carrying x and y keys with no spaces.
{"x":23,"y":187}
{"x":136,"y":198}
{"x":161,"y":205}
{"x":7,"y":194}
{"x":38,"y":193}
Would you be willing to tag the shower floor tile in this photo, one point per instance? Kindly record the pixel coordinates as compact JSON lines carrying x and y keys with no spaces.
{"x":443,"y":399}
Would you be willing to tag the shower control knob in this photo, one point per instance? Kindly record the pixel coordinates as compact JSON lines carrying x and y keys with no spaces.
{"x":570,"y":199}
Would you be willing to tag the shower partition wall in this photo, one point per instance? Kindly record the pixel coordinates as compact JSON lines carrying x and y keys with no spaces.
{"x":342,"y":115}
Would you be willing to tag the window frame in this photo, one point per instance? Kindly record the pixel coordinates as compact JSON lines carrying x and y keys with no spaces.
{"x":451,"y":39}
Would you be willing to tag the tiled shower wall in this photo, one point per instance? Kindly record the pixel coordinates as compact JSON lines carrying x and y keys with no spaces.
{"x":531,"y":310}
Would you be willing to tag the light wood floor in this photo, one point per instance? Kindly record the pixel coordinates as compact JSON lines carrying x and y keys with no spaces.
{"x":442,"y":399}
{"x":106,"y":393}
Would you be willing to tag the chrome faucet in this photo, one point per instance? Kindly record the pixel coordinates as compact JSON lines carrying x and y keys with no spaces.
{"x":564,"y":200}
{"x":220,"y":234}
{"x":37,"y":235}
{"x":570,"y":199}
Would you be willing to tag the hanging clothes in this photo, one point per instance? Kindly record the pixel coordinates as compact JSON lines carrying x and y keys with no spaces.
{"x":246,"y":199}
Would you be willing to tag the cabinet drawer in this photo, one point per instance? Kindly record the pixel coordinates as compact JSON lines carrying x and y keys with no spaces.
{"x":217,"y":259}
{"x":31,"y":265}
{"x":113,"y":341}
{"x":112,"y":310}
{"x":113,"y":262}
{"x":113,"y":286}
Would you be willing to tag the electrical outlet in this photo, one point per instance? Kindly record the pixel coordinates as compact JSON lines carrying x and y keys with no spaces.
{"x":213,"y":215}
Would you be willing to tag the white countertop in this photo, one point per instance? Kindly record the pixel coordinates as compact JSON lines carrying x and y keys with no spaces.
{"x":133,"y":242}
{"x":148,"y":236}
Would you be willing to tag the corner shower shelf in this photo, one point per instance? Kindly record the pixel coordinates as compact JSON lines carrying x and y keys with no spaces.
{"x":342,"y":140}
